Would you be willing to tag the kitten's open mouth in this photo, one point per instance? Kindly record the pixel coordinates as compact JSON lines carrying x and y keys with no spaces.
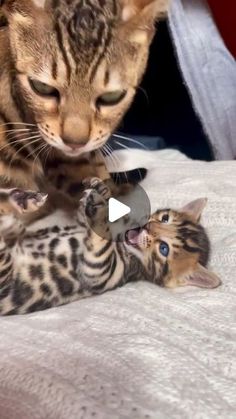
{"x":132,"y":236}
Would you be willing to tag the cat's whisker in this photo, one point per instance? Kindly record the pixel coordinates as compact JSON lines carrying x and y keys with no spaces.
{"x":18,"y":123}
{"x":13,"y":135}
{"x":104,"y":152}
{"x":14,"y":130}
{"x":28,"y":144}
{"x":114,"y":158}
{"x":122,"y":145}
{"x":132,"y":140}
{"x":144,"y":93}
{"x":41,"y":149}
{"x":109,"y":154}
{"x":17,"y":141}
{"x":140,"y":175}
{"x":126,"y":148}
{"x":34,"y":150}
{"x":47,"y":155}
{"x":115,"y":161}
{"x":115,"y":155}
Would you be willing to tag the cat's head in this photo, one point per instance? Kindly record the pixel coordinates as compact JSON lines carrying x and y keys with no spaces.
{"x":78,"y":64}
{"x":174,"y":247}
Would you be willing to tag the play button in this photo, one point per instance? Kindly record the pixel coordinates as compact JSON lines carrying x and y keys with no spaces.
{"x":116,"y":210}
{"x":114,"y":216}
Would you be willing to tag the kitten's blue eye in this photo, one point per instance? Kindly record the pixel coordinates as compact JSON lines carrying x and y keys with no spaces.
{"x":164,"y":249}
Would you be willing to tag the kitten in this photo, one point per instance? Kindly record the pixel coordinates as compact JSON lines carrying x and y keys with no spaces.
{"x":61,"y":258}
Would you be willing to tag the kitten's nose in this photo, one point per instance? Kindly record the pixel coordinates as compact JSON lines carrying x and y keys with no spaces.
{"x":72,"y":144}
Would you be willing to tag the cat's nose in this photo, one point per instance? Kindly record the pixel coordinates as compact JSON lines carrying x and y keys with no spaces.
{"x":74,"y":145}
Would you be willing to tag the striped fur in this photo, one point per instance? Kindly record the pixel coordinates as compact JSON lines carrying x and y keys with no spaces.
{"x":80,"y":50}
{"x":61,"y":258}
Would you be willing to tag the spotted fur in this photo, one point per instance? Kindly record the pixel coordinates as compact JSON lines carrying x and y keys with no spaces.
{"x":62,"y":259}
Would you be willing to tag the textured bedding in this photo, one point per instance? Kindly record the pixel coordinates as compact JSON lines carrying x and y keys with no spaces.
{"x":141,"y":351}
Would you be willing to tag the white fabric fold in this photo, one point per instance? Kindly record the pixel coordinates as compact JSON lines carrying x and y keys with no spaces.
{"x":209,"y":71}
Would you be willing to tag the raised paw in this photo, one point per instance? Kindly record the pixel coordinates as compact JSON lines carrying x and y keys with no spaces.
{"x":26,"y":201}
{"x":96,"y":184}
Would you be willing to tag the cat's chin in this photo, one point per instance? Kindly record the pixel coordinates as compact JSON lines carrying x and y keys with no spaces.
{"x":74,"y":153}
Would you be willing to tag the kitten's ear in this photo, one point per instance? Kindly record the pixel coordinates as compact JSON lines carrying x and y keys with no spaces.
{"x":195,"y":208}
{"x":148,"y":9}
{"x":202,"y":278}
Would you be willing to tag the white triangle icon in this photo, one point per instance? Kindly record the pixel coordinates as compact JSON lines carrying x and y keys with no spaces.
{"x":116,"y":210}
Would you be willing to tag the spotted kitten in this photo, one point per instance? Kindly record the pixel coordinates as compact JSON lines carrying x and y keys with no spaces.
{"x":61,"y":258}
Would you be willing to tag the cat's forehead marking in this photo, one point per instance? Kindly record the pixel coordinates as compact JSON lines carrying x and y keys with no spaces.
{"x":109,"y":78}
{"x":89,"y":26}
{"x":115,"y":82}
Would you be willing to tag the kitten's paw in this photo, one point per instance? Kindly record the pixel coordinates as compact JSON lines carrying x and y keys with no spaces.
{"x":26,"y":201}
{"x":99,"y":186}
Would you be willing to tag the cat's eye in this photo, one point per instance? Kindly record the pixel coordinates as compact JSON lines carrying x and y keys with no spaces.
{"x":165,"y":218}
{"x":110,"y":98}
{"x":164,"y":249}
{"x":43,"y":89}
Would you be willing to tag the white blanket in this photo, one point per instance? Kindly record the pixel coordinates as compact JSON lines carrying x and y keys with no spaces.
{"x":140,"y":351}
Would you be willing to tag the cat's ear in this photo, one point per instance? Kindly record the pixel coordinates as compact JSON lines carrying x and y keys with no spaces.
{"x":21,"y":7}
{"x":138,"y":18}
{"x":39,"y":3}
{"x":195,"y":208}
{"x":148,"y":10}
{"x":16,"y":4}
{"x":201,"y":277}
{"x":22,"y":12}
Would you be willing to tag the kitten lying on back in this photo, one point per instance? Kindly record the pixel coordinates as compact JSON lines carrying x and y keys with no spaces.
{"x":48,"y":265}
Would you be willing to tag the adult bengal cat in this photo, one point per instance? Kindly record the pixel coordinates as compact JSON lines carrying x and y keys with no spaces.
{"x":68,"y":72}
